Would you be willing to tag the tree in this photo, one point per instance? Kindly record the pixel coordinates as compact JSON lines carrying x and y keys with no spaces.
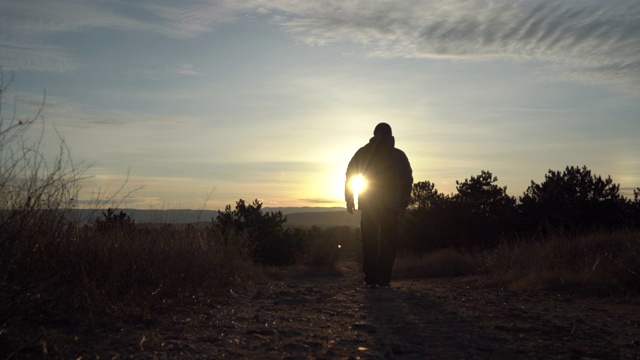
{"x":573,"y":199}
{"x":483,"y":197}
{"x":634,"y":208}
{"x":481,"y":211}
{"x":420,"y":230}
{"x":270,"y":242}
{"x":425,"y":196}
{"x":476,"y":216}
{"x":112,"y":221}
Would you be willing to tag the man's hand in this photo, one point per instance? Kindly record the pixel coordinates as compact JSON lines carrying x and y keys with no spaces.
{"x":350,"y":207}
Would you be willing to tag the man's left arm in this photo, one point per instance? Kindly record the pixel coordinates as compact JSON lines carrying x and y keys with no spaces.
{"x":405,"y":176}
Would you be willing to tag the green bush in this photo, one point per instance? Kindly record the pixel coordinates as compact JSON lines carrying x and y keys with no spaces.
{"x":270,"y":243}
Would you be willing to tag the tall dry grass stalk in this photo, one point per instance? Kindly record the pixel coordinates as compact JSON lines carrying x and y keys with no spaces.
{"x":34,"y":189}
{"x":52,"y":266}
{"x":120,"y":275}
{"x":603,"y":263}
{"x":600,"y":263}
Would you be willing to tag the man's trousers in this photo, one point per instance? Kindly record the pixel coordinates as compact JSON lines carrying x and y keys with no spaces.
{"x":379,"y":244}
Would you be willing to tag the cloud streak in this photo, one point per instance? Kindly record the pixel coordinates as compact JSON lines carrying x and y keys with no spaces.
{"x":192,"y":18}
{"x":590,"y":41}
{"x":26,"y":27}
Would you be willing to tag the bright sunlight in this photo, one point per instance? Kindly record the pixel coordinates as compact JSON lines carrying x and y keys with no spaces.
{"x":358,"y":184}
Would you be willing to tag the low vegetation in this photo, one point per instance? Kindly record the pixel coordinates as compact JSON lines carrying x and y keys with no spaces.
{"x":572,"y":232}
{"x":113,"y":272}
{"x":441,"y":263}
{"x":599,"y":263}
{"x":604,"y":263}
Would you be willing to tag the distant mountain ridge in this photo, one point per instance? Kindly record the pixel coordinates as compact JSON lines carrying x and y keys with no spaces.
{"x":324,"y":219}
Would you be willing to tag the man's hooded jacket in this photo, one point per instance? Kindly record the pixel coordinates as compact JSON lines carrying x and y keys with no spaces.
{"x":387,"y":173}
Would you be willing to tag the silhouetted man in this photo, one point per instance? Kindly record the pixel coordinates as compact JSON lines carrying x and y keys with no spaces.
{"x":388,"y":177}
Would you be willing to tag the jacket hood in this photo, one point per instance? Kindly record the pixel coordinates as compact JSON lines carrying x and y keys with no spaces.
{"x":384,"y":140}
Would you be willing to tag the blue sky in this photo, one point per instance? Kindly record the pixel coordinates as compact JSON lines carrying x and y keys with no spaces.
{"x":269,"y":100}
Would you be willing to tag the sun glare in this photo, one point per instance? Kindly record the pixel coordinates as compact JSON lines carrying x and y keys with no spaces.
{"x":358,"y":184}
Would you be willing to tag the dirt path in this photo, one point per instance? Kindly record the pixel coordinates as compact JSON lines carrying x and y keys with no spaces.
{"x":333,"y":317}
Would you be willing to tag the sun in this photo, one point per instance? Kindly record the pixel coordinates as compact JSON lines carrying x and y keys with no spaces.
{"x":358,"y":184}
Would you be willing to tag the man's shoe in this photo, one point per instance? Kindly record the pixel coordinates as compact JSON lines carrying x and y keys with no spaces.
{"x":370,"y":286}
{"x":385,"y":286}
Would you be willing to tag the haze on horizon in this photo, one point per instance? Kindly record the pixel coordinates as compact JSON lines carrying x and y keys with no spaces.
{"x":269,"y":100}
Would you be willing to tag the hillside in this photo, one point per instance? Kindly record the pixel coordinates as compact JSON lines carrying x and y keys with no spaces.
{"x":324,"y":218}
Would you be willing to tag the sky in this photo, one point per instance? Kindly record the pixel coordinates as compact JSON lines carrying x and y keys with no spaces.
{"x":196,"y":104}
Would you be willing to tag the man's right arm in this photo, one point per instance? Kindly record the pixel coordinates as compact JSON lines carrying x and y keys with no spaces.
{"x":348,"y":192}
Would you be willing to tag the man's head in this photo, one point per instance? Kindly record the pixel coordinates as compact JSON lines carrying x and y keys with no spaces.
{"x":382,"y":129}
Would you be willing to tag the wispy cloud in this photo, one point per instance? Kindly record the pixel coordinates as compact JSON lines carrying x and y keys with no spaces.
{"x":593,"y":41}
{"x":322,"y":201}
{"x":192,"y":18}
{"x":35,"y":55}
{"x":66,"y":113}
{"x":186,"y":69}
{"x":26,"y":27}
{"x":159,"y":73}
{"x":589,"y":40}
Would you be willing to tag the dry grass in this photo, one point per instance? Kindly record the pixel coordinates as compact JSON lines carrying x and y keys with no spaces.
{"x":90,"y":279}
{"x":53,"y":268}
{"x":324,"y":245}
{"x":118,"y":275}
{"x":601,"y":263}
{"x":440,"y":263}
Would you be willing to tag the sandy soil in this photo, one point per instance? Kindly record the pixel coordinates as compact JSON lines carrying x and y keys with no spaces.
{"x":334,"y":317}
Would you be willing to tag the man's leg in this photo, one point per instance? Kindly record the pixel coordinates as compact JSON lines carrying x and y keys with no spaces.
{"x":388,"y":246}
{"x":369,"y":226}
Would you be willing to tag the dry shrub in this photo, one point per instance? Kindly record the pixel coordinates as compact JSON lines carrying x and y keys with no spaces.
{"x":324,"y":246}
{"x":55,"y":270}
{"x":440,"y":263}
{"x":323,"y":250}
{"x":601,"y":263}
{"x":108,"y":279}
{"x":120,"y":275}
{"x":52,"y":267}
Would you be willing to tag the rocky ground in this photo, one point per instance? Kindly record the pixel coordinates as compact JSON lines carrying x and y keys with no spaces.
{"x":334,"y":317}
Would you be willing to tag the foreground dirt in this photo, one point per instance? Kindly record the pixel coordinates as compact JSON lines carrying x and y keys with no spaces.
{"x":334,"y":317}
